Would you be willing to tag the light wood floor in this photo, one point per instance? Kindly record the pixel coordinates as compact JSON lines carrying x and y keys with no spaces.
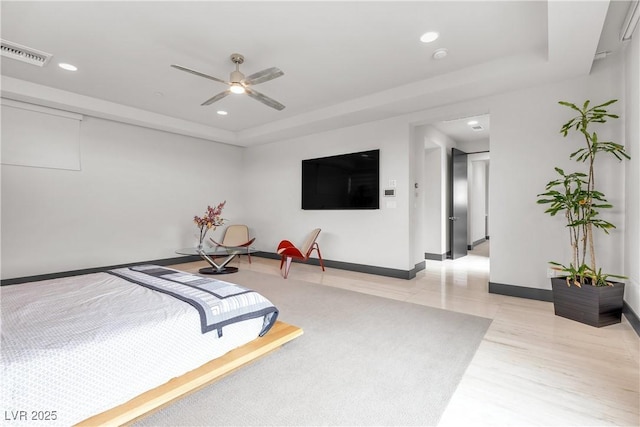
{"x":532,"y":367}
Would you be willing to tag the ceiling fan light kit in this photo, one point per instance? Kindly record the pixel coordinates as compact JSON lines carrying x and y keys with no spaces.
{"x":237,"y":88}
{"x":239,"y":84}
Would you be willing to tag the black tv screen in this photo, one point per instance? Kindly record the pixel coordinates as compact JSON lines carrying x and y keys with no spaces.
{"x":346,"y":181}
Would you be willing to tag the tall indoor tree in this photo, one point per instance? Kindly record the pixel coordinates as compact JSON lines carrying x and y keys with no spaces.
{"x":575,"y":194}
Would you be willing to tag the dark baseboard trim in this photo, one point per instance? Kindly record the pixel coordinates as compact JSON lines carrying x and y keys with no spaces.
{"x":165,"y":261}
{"x":360,"y":268}
{"x":419,"y":267}
{"x":476,"y":243}
{"x":632,"y":317}
{"x":380,"y":271}
{"x":521,"y":292}
{"x":547,"y":295}
{"x":435,"y":257}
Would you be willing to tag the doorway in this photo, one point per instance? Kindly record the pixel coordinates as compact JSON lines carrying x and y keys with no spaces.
{"x":456,"y":139}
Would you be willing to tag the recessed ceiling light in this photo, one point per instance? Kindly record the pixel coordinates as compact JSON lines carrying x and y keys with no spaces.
{"x":429,"y":37}
{"x":472,"y":122}
{"x":440,"y":53}
{"x":222,"y":113}
{"x":67,"y":67}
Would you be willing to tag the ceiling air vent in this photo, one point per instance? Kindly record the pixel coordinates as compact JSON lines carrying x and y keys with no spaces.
{"x":24,"y":54}
{"x":477,"y":128}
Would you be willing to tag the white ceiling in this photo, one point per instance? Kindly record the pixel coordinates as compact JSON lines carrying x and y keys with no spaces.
{"x":475,"y":128}
{"x":343,"y":62}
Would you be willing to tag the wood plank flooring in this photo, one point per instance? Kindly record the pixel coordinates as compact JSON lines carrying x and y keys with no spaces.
{"x":532,"y":368}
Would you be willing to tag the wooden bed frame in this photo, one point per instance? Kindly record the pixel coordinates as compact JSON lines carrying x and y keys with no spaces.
{"x":206,"y":374}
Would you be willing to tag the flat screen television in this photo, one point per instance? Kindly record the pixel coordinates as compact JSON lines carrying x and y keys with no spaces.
{"x":346,"y":181}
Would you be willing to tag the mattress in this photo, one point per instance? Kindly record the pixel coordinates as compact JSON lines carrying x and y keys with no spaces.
{"x":77,"y":346}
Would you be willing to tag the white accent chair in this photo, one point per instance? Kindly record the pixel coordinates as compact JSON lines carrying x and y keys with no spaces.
{"x":236,"y":236}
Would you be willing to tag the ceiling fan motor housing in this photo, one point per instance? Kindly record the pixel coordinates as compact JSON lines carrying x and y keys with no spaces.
{"x":236,"y":77}
{"x":237,"y":58}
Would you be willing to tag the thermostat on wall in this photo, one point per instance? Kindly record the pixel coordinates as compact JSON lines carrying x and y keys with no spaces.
{"x":390,"y":192}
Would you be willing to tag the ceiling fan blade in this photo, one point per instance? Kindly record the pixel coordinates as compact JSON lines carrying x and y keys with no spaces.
{"x":263,"y":76}
{"x":215,"y":98}
{"x":264,"y":99}
{"x":198,"y":73}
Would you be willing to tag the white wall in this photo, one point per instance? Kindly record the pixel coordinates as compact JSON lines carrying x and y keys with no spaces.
{"x":416,"y":196}
{"x":478,"y":146}
{"x":632,"y":172}
{"x":433,"y":195}
{"x":370,"y":237}
{"x":478,"y":188}
{"x":525,"y":147}
{"x":54,"y":143}
{"x":438,"y":199}
{"x":133,"y":200}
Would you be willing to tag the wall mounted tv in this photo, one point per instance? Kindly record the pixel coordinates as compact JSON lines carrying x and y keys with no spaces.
{"x":346,"y":181}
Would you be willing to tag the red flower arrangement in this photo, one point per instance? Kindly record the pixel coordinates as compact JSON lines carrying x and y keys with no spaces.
{"x":211,"y":219}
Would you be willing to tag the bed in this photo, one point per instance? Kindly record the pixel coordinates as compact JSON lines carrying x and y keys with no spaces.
{"x":105,"y":348}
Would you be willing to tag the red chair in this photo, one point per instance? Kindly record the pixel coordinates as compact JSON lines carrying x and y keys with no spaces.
{"x":288,"y":251}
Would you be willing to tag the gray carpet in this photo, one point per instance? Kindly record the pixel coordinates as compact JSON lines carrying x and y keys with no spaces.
{"x":363,"y":360}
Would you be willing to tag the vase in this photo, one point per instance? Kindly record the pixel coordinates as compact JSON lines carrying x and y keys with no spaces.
{"x":203,"y":234}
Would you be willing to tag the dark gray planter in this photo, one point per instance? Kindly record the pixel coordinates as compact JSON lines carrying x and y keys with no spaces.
{"x":593,"y":305}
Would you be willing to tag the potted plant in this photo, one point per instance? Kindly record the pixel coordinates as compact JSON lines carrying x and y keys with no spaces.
{"x":584,"y":292}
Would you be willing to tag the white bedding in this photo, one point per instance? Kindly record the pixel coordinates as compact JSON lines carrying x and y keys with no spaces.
{"x":84,"y":344}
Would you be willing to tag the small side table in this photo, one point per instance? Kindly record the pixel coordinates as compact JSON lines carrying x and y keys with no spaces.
{"x":209,"y":255}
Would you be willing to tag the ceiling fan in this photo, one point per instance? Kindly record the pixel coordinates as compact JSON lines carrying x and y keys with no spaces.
{"x":238,"y":83}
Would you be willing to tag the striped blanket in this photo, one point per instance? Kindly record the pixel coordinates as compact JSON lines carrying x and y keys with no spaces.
{"x":219,"y":303}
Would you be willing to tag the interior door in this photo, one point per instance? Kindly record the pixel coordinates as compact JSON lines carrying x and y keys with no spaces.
{"x":459,"y":204}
